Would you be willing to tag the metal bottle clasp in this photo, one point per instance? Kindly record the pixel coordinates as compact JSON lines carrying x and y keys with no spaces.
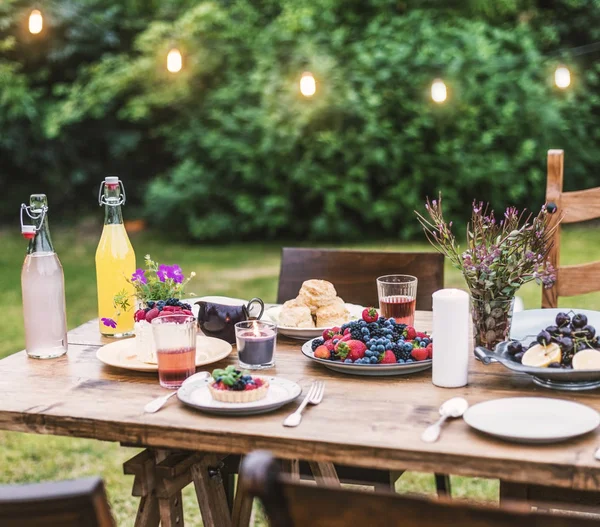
{"x":27,"y":230}
{"x":102,"y":198}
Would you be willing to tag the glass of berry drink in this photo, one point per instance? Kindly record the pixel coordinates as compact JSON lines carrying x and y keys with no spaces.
{"x":175,"y":338}
{"x":398,"y":297}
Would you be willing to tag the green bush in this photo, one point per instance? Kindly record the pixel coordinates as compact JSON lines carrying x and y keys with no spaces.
{"x":228,"y":147}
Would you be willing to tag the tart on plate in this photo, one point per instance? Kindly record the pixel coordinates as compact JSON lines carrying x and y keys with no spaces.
{"x":234,"y":386}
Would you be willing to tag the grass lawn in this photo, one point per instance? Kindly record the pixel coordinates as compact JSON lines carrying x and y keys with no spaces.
{"x":241,"y":270}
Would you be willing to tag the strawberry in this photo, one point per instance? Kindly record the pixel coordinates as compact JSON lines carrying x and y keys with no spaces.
{"x":369,"y":315}
{"x":140,"y":315}
{"x":388,"y":357}
{"x":350,"y":349}
{"x":410,"y":333}
{"x":152,"y":314}
{"x":421,"y":335}
{"x":329,"y":333}
{"x":429,"y":349}
{"x":329,"y":344}
{"x":419,"y":354}
{"x":321,"y":352}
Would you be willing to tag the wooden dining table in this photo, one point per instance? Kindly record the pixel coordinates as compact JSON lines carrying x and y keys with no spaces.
{"x":373,"y":422}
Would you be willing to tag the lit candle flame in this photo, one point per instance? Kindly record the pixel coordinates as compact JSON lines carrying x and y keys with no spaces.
{"x":562,"y":77}
{"x":255,"y":329}
{"x":308,"y":85}
{"x":439,"y":93}
{"x":36,"y":22}
{"x":174,"y":60}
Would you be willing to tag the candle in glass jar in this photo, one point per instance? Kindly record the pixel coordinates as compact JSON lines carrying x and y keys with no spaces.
{"x":451,"y":321}
{"x":255,"y":341}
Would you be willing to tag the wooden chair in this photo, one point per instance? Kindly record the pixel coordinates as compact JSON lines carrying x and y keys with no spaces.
{"x":76,"y":503}
{"x":577,"y":206}
{"x":293,"y":504}
{"x":354,"y":275}
{"x":354,"y":272}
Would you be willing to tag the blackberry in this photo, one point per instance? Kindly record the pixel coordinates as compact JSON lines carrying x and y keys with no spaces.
{"x":316,"y":343}
{"x":332,"y":355}
{"x":378,"y":333}
{"x":239,"y":386}
{"x":184,"y":306}
{"x":356,"y":334}
{"x":401,"y":352}
{"x":172,"y":302}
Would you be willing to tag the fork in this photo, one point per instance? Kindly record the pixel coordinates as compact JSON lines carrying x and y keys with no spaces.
{"x":314,"y":396}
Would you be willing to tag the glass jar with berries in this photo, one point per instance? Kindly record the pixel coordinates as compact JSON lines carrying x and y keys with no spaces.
{"x":158,"y":290}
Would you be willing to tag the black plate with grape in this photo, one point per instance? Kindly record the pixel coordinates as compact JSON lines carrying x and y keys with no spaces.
{"x":568,"y":335}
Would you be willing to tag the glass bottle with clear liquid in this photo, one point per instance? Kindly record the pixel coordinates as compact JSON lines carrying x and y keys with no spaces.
{"x":42,"y":285}
{"x":115,"y":262}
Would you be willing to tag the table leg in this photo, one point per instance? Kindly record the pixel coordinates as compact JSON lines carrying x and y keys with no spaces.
{"x":442,"y":484}
{"x":210,"y":492}
{"x":147,"y":513}
{"x":171,"y":511}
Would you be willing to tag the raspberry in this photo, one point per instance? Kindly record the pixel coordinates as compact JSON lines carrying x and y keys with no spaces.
{"x":140,"y":315}
{"x":421,"y":335}
{"x":152,"y":314}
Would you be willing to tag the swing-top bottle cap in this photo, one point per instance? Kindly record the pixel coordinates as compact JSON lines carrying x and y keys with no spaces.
{"x":28,"y":231}
{"x":111,"y":180}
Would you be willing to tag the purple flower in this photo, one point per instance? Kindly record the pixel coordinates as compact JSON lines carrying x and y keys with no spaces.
{"x":139,"y":276}
{"x":175,"y":273}
{"x":109,"y":322}
{"x":163,"y":272}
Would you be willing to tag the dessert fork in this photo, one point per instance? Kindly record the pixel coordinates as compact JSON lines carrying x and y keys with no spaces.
{"x":314,"y":396}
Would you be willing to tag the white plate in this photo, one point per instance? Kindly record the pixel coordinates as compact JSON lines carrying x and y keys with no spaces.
{"x":532,"y":419}
{"x":281,"y":391}
{"x":530,"y":322}
{"x":306,"y":333}
{"x":369,"y":370}
{"x":122,"y":353}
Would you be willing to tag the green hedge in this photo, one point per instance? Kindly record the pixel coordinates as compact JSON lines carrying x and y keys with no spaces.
{"x":229,"y":149}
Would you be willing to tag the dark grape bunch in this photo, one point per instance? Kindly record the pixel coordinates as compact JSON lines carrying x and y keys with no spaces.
{"x":572,"y":334}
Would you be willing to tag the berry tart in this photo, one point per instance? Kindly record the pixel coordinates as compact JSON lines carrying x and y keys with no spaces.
{"x":234,"y":386}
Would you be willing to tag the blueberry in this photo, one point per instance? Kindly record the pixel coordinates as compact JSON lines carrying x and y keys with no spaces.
{"x":423,"y":345}
{"x":348,"y":360}
{"x":380,"y":347}
{"x":392,"y":321}
{"x":365,"y":330}
{"x":426,"y":341}
{"x":562,"y":319}
{"x":401,"y":361}
{"x":363,"y":323}
{"x":373,"y":360}
{"x":246,"y":377}
{"x":368,"y":353}
{"x":150,"y":303}
{"x":161,"y":303}
{"x":409,"y":360}
{"x":335,"y":341}
{"x":381,"y":320}
{"x":579,"y":321}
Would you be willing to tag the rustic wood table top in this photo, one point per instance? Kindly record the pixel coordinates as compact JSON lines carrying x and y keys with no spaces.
{"x":363,"y":421}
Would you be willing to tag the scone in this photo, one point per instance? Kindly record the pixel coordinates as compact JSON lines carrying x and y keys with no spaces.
{"x":317,"y":293}
{"x":334,"y":314}
{"x":294,"y":314}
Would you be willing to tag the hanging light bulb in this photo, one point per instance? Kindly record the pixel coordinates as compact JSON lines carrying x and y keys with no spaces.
{"x":439,"y":93}
{"x":36,"y":22}
{"x":174,"y":60}
{"x":308,"y":85}
{"x":562,"y":77}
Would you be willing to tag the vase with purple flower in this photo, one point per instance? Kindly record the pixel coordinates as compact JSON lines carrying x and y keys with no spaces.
{"x":159,"y":289}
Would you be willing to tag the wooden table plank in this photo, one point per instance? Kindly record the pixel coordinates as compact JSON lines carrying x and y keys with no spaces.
{"x":78,"y":396}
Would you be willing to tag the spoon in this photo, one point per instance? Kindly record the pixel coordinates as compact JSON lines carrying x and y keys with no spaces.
{"x":454,"y":407}
{"x":156,"y":404}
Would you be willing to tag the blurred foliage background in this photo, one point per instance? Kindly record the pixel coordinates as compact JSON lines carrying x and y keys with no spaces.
{"x":229,"y":149}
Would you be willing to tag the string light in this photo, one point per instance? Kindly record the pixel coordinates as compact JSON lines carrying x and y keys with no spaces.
{"x":36,"y":22}
{"x":439,"y":93}
{"x":562,"y":77}
{"x":308,"y":85}
{"x":174,"y":60}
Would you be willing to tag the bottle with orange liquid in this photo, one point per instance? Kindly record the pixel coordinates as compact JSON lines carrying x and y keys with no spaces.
{"x":115,"y":263}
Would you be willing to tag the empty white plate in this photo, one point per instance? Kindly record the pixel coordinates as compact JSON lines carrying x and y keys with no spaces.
{"x":532,"y":419}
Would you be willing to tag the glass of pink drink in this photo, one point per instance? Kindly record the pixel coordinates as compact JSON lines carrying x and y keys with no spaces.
{"x":398,"y":297}
{"x":175,"y":337}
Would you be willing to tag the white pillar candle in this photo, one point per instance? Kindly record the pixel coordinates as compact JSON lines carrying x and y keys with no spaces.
{"x":451,"y":320}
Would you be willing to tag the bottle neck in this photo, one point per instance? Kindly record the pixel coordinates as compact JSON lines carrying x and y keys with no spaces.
{"x":112,"y":208}
{"x":42,"y":242}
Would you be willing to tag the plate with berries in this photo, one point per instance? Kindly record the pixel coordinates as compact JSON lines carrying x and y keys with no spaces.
{"x":231,"y":391}
{"x":565,"y":355}
{"x":372,"y":347}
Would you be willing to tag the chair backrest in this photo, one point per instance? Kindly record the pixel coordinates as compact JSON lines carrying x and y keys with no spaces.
{"x":296,"y":504}
{"x":354,"y":273}
{"x":75,"y":503}
{"x":580,"y":205}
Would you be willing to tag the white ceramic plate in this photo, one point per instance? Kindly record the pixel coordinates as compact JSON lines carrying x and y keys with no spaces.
{"x":369,"y":370}
{"x":122,"y":353}
{"x":305,"y":333}
{"x":532,"y":419}
{"x":530,"y":322}
{"x":281,"y":391}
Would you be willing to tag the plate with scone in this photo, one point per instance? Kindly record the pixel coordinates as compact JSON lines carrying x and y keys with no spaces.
{"x":231,"y":391}
{"x":316,"y":308}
